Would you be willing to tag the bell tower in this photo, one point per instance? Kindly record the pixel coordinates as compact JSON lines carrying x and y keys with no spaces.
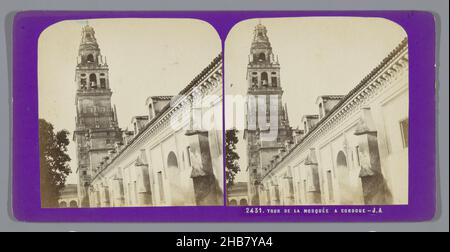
{"x":267,"y":126}
{"x":97,"y":129}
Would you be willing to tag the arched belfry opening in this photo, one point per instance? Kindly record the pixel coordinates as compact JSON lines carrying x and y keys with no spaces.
{"x":90,"y":58}
{"x":262,"y":57}
{"x":274,"y":80}
{"x":93,"y":80}
{"x":264,"y":78}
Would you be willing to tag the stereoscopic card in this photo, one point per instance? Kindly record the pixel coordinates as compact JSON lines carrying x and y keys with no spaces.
{"x":291,"y":116}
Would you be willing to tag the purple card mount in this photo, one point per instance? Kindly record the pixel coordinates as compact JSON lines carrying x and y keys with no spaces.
{"x":251,"y":116}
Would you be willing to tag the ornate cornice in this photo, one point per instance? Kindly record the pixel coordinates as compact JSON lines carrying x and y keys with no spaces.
{"x":376,"y":81}
{"x":204,"y":83}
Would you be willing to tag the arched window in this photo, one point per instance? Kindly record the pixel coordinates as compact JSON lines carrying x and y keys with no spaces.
{"x":103,"y":83}
{"x":90,"y":58}
{"x":274,"y":81}
{"x":349,"y":193}
{"x":93,"y":80}
{"x":243,"y":202}
{"x":178,"y":194}
{"x":233,"y":202}
{"x":341,"y":159}
{"x":262,"y":57}
{"x":73,"y":204}
{"x":83,"y":84}
{"x":254,"y":81}
{"x":172,"y":161}
{"x":264,"y":78}
{"x":62,"y":204}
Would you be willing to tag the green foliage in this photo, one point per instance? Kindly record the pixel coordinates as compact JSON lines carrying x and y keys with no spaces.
{"x":232,"y":157}
{"x":54,"y":162}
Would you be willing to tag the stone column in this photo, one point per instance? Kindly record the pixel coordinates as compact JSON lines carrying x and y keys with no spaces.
{"x":277,"y":198}
{"x":119,"y":197}
{"x":106,"y":197}
{"x":143,"y":190}
{"x":98,"y":198}
{"x":85,"y":199}
{"x":313,"y":193}
{"x":268,"y":196}
{"x":375,"y":190}
{"x":206,"y":188}
{"x":290,"y":190}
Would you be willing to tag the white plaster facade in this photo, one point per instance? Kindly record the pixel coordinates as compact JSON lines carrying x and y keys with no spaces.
{"x":328,"y":165}
{"x":165,"y":163}
{"x":237,"y":195}
{"x":69,"y":197}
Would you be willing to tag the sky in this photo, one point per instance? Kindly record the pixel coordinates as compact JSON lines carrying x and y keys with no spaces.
{"x":146,"y":57}
{"x":317,"y":55}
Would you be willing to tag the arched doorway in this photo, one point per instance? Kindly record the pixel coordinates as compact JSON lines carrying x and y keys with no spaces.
{"x":73,"y":204}
{"x":172,"y":161}
{"x":173,"y":172}
{"x":232,"y":202}
{"x":62,"y":204}
{"x":347,"y":191}
{"x":243,"y":202}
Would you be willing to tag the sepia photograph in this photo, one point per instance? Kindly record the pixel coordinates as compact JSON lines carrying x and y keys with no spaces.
{"x":326,"y":112}
{"x":282,"y":117}
{"x":130,"y":113}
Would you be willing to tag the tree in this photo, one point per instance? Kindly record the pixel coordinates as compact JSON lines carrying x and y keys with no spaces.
{"x":54,"y":162}
{"x":232,"y":157}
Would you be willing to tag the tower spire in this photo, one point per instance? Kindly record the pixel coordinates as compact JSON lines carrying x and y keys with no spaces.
{"x":96,"y":123}
{"x":263,"y":75}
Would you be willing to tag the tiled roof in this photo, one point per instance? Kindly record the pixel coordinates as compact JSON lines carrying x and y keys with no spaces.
{"x":212,"y":65}
{"x":164,"y":98}
{"x":217,"y":60}
{"x":311,"y":116}
{"x":361,"y":84}
{"x":332,"y":97}
{"x":141,"y":117}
